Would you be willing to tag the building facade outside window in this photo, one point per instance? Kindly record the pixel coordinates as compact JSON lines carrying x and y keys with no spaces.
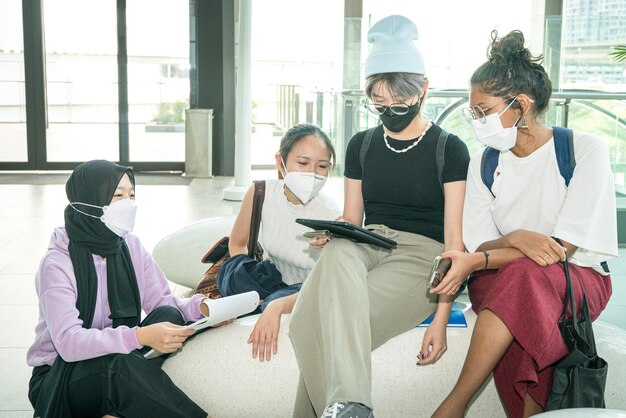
{"x":12,"y":92}
{"x":302,"y":70}
{"x":158,"y":78}
{"x":81,"y":80}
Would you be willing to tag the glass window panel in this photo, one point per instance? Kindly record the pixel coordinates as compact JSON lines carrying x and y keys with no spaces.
{"x":300,"y":78}
{"x":451,"y":56}
{"x":605,"y":118}
{"x":295,"y":71}
{"x":13,"y":142}
{"x":158,"y":78}
{"x":81,"y":76}
{"x":590,"y":30}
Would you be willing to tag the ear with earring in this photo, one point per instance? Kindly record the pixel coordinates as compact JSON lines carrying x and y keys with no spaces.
{"x":524,"y":124}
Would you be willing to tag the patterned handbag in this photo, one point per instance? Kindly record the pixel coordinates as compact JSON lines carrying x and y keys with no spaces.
{"x":218,"y":254}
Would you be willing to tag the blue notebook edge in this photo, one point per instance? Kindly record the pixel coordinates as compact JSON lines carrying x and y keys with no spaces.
{"x":457,"y":317}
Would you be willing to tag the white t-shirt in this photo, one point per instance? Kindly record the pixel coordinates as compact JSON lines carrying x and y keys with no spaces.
{"x":280,"y":235}
{"x":531,"y":194}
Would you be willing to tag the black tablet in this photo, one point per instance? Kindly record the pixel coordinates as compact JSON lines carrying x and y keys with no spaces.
{"x":349,"y":231}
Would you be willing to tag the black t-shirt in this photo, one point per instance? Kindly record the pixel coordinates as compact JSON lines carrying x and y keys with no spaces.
{"x":402,"y":191}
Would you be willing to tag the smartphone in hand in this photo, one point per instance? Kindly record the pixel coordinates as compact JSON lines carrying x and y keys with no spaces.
{"x":440,"y":268}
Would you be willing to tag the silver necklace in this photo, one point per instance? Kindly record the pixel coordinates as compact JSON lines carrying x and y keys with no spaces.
{"x":400,"y":151}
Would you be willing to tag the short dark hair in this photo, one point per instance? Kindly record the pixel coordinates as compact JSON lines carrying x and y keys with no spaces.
{"x":297,"y":132}
{"x":511,"y":70}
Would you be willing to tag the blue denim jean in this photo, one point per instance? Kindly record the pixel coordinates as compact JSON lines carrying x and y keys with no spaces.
{"x":241,"y":274}
{"x":280,"y":293}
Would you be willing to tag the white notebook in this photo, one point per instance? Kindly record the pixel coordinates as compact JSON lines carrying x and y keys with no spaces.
{"x":220,"y":310}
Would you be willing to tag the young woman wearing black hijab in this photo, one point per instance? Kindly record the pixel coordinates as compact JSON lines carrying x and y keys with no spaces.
{"x":92,"y":285}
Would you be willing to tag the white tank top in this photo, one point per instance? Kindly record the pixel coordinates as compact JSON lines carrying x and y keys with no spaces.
{"x":281,"y":237}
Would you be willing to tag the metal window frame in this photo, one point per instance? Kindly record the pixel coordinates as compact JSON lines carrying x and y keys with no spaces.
{"x":36,"y":101}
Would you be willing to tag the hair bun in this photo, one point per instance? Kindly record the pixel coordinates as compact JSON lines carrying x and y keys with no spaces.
{"x":509,"y":49}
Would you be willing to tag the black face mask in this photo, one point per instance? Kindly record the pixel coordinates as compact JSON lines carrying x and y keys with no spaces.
{"x":398,"y":123}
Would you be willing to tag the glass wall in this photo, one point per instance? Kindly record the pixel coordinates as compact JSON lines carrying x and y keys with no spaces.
{"x":298,"y":74}
{"x":307,"y":62}
{"x":12,"y":92}
{"x":455,"y":44}
{"x":297,"y":52}
{"x":303,"y":83}
{"x":590,"y":30}
{"x":607,"y":119}
{"x":158,"y":78}
{"x":81,"y":72}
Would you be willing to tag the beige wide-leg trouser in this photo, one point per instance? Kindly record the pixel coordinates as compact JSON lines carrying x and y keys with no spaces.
{"x":356,"y":298}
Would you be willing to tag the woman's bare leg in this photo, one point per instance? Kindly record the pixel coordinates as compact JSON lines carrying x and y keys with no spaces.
{"x":531,"y":407}
{"x":490,"y":340}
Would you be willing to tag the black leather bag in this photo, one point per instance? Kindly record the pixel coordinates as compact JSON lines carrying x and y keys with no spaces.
{"x":579,"y":378}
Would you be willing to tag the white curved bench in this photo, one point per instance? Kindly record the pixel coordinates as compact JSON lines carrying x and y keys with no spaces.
{"x":217,"y":371}
{"x":179,"y":253}
{"x":584,"y":413}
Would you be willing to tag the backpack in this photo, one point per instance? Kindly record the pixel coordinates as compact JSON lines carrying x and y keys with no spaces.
{"x":439,"y":159}
{"x":564,"y":149}
{"x":563,"y":146}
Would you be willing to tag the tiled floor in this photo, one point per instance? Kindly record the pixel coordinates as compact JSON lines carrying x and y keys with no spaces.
{"x":32,"y":205}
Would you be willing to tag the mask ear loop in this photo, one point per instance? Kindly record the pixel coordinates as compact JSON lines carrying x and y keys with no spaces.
{"x":284,"y":166}
{"x":84,"y":213}
{"x":507,"y":108}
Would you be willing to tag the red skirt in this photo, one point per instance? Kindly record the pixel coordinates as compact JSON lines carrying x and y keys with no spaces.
{"x":529,"y":298}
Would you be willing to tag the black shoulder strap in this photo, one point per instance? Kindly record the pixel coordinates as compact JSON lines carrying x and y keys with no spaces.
{"x":365,"y":146}
{"x":488,"y":164}
{"x":564,"y":149}
{"x":440,"y":156}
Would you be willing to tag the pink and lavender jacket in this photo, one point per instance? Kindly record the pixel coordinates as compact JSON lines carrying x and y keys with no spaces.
{"x":60,"y":332}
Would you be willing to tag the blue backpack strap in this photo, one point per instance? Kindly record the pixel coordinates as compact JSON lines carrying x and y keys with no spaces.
{"x":566,"y":159}
{"x":365,"y":146}
{"x":488,"y":164}
{"x":564,"y":149}
{"x":440,"y":157}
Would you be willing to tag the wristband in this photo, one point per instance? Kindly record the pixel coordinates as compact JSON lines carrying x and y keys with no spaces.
{"x":486,"y":260}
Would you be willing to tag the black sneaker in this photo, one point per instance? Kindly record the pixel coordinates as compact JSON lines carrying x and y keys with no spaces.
{"x":347,"y":410}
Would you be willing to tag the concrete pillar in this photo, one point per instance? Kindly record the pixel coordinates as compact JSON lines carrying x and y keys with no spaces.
{"x":353,"y":14}
{"x":243,"y":105}
{"x":552,"y":39}
{"x":212,"y":74}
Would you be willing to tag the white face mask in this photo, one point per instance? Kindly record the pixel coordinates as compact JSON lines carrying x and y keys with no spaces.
{"x":493,"y":134}
{"x":303,"y":184}
{"x":119,"y":216}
